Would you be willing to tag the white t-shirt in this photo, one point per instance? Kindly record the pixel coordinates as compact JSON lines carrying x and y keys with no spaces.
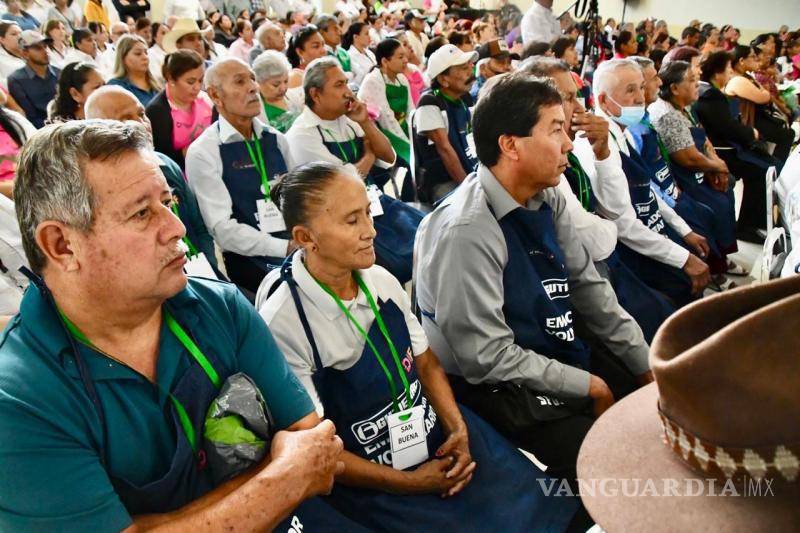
{"x":540,"y":25}
{"x":339,"y":342}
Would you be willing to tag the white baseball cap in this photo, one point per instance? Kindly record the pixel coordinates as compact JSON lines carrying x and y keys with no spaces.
{"x":445,"y":57}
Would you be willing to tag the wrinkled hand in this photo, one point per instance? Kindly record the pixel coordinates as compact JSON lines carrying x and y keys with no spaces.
{"x":718,"y":181}
{"x":699,"y":273}
{"x":601,"y":394}
{"x":698,"y":243}
{"x":313,"y":455}
{"x":357,"y":111}
{"x":431,"y":477}
{"x":595,"y":129}
{"x":456,"y":447}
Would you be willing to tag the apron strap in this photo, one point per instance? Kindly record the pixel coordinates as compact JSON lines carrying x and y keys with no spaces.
{"x":286,"y":275}
{"x":80,"y":363}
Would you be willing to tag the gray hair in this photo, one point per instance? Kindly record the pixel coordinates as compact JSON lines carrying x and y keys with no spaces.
{"x":490,"y":83}
{"x":50,"y":182}
{"x":325,"y":20}
{"x":643,"y":62}
{"x":213,"y":78}
{"x":264,"y":28}
{"x":315,"y":76}
{"x":270,"y":64}
{"x":605,"y":78}
{"x":543,"y":66}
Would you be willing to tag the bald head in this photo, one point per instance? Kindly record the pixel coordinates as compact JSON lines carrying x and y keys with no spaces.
{"x":112,"y":102}
{"x":270,"y":36}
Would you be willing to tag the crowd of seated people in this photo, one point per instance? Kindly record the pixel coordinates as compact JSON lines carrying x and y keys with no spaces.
{"x":426,"y":242}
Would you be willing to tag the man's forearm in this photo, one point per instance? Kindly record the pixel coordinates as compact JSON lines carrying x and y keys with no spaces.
{"x":254,"y":501}
{"x":379,"y":143}
{"x":451,"y":162}
{"x":437,"y":390}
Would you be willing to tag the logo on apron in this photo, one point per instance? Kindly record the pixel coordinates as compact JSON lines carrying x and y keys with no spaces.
{"x":556,"y":288}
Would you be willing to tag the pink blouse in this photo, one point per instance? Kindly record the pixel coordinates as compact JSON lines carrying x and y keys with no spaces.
{"x":188,"y":125}
{"x":8,"y":156}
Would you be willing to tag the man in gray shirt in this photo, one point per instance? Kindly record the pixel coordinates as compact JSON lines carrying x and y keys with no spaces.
{"x":499,"y":271}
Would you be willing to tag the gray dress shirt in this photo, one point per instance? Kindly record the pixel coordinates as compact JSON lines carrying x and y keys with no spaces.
{"x":460,"y":255}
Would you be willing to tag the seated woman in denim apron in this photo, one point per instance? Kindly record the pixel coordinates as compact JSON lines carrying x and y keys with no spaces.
{"x":694,"y":164}
{"x":231,"y":168}
{"x":335,"y":127}
{"x":413,"y":458}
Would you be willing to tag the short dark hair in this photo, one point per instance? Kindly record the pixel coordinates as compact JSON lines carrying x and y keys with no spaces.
{"x":740,"y":52}
{"x":561,"y":45}
{"x":535,"y":48}
{"x":433,"y":45}
{"x":302,"y":188}
{"x":143,"y":23}
{"x":671,"y":74}
{"x":713,"y":64}
{"x":685,"y":53}
{"x":180,"y":62}
{"x":624,"y":37}
{"x":511,"y":107}
{"x":458,"y":38}
{"x":690,"y":31}
{"x":386,"y":49}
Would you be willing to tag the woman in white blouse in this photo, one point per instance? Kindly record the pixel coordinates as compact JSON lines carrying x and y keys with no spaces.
{"x":356,"y":41}
{"x":346,"y":328}
{"x":386,"y":89}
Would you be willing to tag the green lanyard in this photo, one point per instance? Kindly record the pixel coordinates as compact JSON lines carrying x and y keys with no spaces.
{"x":193,"y":251}
{"x":339,"y":146}
{"x":661,"y":147}
{"x":584,"y":188}
{"x":438,"y":92}
{"x":258,"y":163}
{"x":188,"y":343}
{"x":384,"y":331}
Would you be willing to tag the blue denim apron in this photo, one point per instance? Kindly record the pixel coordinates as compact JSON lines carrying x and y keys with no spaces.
{"x":459,"y":121}
{"x":397,"y":227}
{"x":722,"y":204}
{"x":503,"y":495}
{"x":244,"y":186}
{"x":699,"y":216}
{"x":536,"y":304}
{"x":646,"y":306}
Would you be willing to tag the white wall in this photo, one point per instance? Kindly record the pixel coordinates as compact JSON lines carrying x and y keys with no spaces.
{"x":751,"y":16}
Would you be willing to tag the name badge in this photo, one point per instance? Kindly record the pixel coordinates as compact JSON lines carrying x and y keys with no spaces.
{"x":270,"y":219}
{"x":374,"y":195}
{"x":407,"y":437}
{"x":198,"y":266}
{"x":471,"y":152}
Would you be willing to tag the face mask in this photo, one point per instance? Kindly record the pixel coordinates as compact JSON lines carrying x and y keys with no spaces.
{"x":631,"y":115}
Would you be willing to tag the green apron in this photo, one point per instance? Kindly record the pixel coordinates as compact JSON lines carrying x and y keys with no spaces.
{"x":343,"y":57}
{"x":397,"y":96}
{"x":280,"y":119}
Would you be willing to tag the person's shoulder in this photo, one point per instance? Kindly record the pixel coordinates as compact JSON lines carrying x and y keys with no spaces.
{"x":430,"y":98}
{"x":464,"y":215}
{"x":19,"y":74}
{"x":118,"y":81}
{"x":202,"y":145}
{"x":274,"y":302}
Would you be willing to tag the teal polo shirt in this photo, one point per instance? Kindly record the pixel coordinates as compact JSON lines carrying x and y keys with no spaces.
{"x":51,"y":440}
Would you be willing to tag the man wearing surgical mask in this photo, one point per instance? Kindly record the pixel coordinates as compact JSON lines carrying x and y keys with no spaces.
{"x":655,"y":242}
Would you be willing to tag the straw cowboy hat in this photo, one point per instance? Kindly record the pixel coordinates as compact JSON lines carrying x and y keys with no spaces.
{"x":723,"y":417}
{"x":180,"y":29}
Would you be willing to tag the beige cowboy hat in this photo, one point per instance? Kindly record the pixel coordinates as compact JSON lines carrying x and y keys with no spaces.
{"x":180,"y":29}
{"x":714,"y":443}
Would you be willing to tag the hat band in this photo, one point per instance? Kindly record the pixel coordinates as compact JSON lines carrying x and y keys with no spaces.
{"x":725,"y":462}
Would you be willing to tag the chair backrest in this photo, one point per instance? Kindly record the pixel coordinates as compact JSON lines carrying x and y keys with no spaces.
{"x":770,"y":182}
{"x":773,"y":256}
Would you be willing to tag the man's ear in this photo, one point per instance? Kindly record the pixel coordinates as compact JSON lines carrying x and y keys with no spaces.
{"x":508,"y":147}
{"x":59,"y":245}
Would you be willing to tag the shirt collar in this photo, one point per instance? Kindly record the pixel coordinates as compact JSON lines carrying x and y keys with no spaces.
{"x":321,"y":299}
{"x":498,"y":197}
{"x":615,"y":133}
{"x":309,"y":119}
{"x":228,"y":134}
{"x":31,"y":74}
{"x":42,"y":327}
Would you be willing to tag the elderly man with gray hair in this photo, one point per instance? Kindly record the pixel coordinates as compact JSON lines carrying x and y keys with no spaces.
{"x":108,"y":370}
{"x":231,"y":167}
{"x":656,"y":243}
{"x":281,"y":106}
{"x":269,"y":36}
